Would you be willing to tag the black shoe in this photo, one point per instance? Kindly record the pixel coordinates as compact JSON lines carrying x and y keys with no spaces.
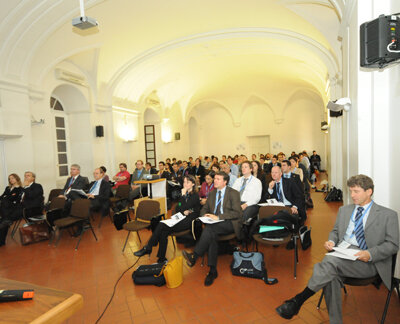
{"x":210,"y":278}
{"x":145,"y":250}
{"x":288,"y":309}
{"x":189,"y":257}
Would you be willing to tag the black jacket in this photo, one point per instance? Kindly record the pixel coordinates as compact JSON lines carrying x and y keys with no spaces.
{"x":190,"y":202}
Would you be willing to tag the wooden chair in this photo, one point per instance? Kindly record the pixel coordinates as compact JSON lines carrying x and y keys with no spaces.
{"x":79,"y":215}
{"x":267,"y":212}
{"x":146,"y":210}
{"x":376,"y":281}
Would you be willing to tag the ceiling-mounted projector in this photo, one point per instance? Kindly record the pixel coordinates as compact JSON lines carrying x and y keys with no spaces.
{"x":84,"y":22}
{"x":339,"y":105}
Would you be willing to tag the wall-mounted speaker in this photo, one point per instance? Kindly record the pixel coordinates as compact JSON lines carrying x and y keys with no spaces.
{"x":177,"y":136}
{"x":100,"y":131}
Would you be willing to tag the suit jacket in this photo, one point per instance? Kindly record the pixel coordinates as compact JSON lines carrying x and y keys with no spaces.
{"x":79,"y":183}
{"x":270,"y":165}
{"x":381,"y":235}
{"x":201,"y":171}
{"x":231,"y":208}
{"x":33,"y":196}
{"x":292,"y":193}
{"x":136,"y":176}
{"x":102,"y":200}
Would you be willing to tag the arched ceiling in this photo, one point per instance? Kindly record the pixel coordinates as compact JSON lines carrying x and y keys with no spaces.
{"x":184,"y":51}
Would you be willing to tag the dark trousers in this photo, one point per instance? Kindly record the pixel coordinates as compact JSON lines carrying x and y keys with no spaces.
{"x":4,"y":226}
{"x":160,"y":235}
{"x":209,"y":240}
{"x":250,"y":212}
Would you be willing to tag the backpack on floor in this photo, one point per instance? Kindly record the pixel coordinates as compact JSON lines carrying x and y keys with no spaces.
{"x":251,"y":264}
{"x":149,"y":274}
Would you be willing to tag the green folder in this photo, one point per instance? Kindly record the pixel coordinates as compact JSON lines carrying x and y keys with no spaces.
{"x":265,"y":228}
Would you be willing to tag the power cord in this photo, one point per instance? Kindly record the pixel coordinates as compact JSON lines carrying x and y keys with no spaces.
{"x":390,"y":50}
{"x":115,"y":287}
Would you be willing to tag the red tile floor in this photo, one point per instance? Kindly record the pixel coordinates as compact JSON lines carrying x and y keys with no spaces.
{"x":94,"y":268}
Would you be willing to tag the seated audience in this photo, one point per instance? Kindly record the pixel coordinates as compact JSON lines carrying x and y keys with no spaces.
{"x":295,"y":169}
{"x":215,"y":167}
{"x":234,"y":168}
{"x":274,"y":162}
{"x":106,"y":177}
{"x":250,"y":189}
{"x":207,"y":162}
{"x":286,"y":191}
{"x":176,"y":175}
{"x":185,"y":169}
{"x":198,"y":171}
{"x":75,"y":181}
{"x":137,"y":189}
{"x":122,"y":177}
{"x":287,"y":173}
{"x":376,"y":243}
{"x":32,"y":196}
{"x":206,"y":187}
{"x":222,"y":204}
{"x":10,"y":205}
{"x":99,"y":193}
{"x":149,"y":169}
{"x":162,"y":172}
{"x":258,"y":172}
{"x":232,"y":178}
{"x":189,"y":206}
{"x":315,"y":161}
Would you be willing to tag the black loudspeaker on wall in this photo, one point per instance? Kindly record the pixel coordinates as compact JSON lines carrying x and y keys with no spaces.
{"x":177,"y":136}
{"x":100,"y":131}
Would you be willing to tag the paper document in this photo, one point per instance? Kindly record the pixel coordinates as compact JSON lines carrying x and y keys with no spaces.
{"x":344,"y":253}
{"x":208,"y":220}
{"x":175,"y":219}
{"x":172,"y":183}
{"x":79,"y":191}
{"x":265,"y":228}
{"x":272,"y":202}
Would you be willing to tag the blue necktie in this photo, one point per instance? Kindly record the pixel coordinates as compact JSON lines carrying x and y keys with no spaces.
{"x":359,"y":229}
{"x":94,"y":187}
{"x":218,"y":207}
{"x":278,"y":191}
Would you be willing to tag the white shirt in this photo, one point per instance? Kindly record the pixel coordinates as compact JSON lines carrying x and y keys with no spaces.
{"x":349,"y":237}
{"x":96,"y":190}
{"x":252,"y":191}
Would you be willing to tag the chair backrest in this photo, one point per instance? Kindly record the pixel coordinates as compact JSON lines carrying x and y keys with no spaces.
{"x":122,"y":191}
{"x":80,"y":208}
{"x":54,"y":193}
{"x":147,"y":209}
{"x":268,"y":211}
{"x":57,"y":203}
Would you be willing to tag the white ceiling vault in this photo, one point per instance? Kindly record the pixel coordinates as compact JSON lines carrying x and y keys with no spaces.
{"x":180,"y":51}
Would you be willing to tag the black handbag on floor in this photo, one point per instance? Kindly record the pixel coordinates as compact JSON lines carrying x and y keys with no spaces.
{"x":305,"y":237}
{"x":120,"y":218}
{"x":149,"y":274}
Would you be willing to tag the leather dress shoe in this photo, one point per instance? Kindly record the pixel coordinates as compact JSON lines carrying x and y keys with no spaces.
{"x":210,"y":278}
{"x":288,"y":309}
{"x":142,"y":252}
{"x":189,"y":257}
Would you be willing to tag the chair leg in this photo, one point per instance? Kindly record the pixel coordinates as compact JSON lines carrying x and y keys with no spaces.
{"x":320,"y":300}
{"x":140,"y":241}
{"x":79,"y":241}
{"x":58,"y":238}
{"x":94,"y":234}
{"x":387,"y":303}
{"x":344,"y":289}
{"x":173,"y":242}
{"x":101,"y":220}
{"x":15,"y":227}
{"x":126,"y":241}
{"x":296,"y":257}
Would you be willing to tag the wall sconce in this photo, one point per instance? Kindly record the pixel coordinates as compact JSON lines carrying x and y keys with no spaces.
{"x":166,"y":133}
{"x":127,"y":133}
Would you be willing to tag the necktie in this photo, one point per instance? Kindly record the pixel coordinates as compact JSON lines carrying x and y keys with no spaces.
{"x":278,"y":191}
{"x":93,"y":187}
{"x":71,"y":182}
{"x":218,"y":206}
{"x":359,"y":229}
{"x":243,"y":187}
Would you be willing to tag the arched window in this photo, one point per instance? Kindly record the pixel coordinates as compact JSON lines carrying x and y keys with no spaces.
{"x":61,"y":136}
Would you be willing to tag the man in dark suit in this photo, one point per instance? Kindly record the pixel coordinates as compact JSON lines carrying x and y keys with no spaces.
{"x":288,"y":174}
{"x":222,"y":204}
{"x":286,"y":191}
{"x":198,"y":171}
{"x":75,"y":181}
{"x":274,"y":162}
{"x":371,"y":229}
{"x":99,"y":193}
{"x":32,"y":197}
